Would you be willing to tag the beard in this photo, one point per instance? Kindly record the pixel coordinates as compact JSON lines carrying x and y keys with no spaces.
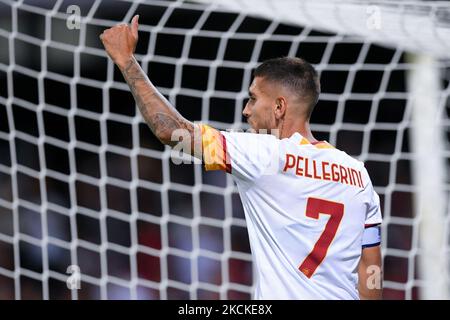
{"x":260,"y":129}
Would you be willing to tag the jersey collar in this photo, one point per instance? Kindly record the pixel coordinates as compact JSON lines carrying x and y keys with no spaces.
{"x":298,"y":139}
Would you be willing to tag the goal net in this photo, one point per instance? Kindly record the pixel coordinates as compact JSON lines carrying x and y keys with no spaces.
{"x":84,"y":185}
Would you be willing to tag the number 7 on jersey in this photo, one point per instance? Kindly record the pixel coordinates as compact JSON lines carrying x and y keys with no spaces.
{"x":314,"y":208}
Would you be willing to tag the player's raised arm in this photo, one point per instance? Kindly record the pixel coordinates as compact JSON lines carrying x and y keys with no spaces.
{"x":162,"y":118}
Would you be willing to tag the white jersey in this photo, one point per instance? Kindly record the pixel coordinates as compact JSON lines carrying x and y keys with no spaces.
{"x":306,"y":207}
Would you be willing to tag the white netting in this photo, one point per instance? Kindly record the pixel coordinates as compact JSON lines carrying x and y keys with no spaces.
{"x":83,"y":181}
{"x":413,"y":24}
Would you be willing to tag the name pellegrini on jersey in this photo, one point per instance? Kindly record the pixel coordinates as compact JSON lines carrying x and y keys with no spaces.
{"x":322,"y":170}
{"x":283,"y":184}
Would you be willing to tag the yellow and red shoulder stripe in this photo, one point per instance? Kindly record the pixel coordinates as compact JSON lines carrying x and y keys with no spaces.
{"x":214,"y":149}
{"x":318,"y":144}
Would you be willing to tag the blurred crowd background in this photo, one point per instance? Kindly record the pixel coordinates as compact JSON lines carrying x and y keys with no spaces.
{"x":56,"y":94}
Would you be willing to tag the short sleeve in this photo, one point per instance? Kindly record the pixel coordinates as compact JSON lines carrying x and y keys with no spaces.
{"x":246,"y":156}
{"x":373,"y":213}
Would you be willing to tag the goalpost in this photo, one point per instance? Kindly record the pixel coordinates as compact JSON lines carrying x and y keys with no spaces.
{"x":83,"y":184}
{"x":429,"y":175}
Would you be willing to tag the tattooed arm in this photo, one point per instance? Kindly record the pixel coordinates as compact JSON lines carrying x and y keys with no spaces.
{"x":162,"y":118}
{"x":158,"y":113}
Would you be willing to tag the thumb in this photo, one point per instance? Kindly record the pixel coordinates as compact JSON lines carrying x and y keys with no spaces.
{"x":134,"y":26}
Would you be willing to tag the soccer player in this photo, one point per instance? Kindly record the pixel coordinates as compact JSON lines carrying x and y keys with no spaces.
{"x":312,"y":213}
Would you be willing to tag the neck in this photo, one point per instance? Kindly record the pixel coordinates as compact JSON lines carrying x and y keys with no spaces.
{"x":302,"y":127}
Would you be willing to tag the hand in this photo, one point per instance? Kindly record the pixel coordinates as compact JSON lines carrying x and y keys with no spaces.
{"x":120,"y":42}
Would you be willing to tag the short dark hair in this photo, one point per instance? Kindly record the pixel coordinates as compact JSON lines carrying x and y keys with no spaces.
{"x":294,"y":73}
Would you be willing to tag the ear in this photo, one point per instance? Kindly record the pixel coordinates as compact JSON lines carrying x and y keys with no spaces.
{"x":280,"y":107}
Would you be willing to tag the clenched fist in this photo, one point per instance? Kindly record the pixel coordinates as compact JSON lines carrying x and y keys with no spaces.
{"x":120,"y":42}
